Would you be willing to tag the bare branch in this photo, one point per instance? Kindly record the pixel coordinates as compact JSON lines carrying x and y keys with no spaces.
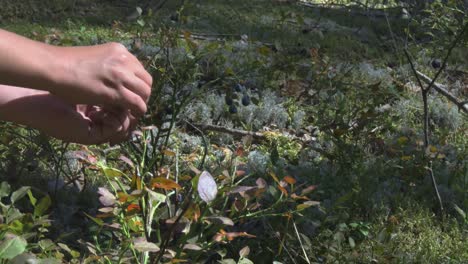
{"x":441,"y":89}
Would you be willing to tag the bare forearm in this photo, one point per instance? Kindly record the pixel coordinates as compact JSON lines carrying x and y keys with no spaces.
{"x":27,"y":63}
{"x":94,"y":75}
{"x":40,"y":110}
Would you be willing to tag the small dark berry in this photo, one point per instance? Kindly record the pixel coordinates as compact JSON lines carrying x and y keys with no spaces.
{"x":174,"y":17}
{"x":436,"y":63}
{"x":238,"y":87}
{"x":201,"y":83}
{"x":245,"y":100}
{"x":228,"y":100}
{"x":232,"y":109}
{"x":30,"y":167}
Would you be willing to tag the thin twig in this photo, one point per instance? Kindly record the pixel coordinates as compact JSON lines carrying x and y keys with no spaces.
{"x":425,"y":91}
{"x":440,"y":88}
{"x":444,"y":63}
{"x":426,"y":132}
{"x":241,"y":133}
{"x":300,"y":242}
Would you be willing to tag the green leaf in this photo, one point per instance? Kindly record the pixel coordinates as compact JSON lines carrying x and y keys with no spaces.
{"x":46,"y":245}
{"x":459,"y":211}
{"x":154,"y":200}
{"x":16,"y":226}
{"x":73,"y":253}
{"x":141,"y":22}
{"x":98,"y":221}
{"x":20,"y":193}
{"x":111,"y":172}
{"x":244,"y":252}
{"x":306,"y":204}
{"x":11,"y":248}
{"x":5,"y":189}
{"x":351,"y":242}
{"x":42,"y":206}
{"x":244,"y":261}
{"x":32,"y":199}
{"x":227,"y":261}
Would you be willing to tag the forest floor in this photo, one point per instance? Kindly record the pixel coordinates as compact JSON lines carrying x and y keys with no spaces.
{"x":309,"y":120}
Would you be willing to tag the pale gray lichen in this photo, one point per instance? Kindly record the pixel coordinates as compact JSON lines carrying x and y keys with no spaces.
{"x":258,"y":162}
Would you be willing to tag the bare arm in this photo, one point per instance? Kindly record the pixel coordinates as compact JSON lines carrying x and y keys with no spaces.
{"x":27,"y":63}
{"x":48,"y":113}
{"x":100,"y":75}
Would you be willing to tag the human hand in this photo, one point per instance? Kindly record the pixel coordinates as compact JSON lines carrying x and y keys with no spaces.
{"x":104,"y":125}
{"x":106,"y":75}
{"x":85,"y":124}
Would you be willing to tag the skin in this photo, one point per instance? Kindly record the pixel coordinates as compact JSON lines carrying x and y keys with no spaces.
{"x":88,"y":94}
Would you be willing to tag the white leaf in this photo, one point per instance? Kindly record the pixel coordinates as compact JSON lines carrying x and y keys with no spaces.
{"x":141,"y":245}
{"x":207,"y":188}
{"x":220,"y":220}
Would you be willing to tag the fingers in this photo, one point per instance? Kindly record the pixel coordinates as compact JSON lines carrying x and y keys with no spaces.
{"x":112,"y":125}
{"x":145,"y":76}
{"x":138,"y":86}
{"x":132,"y":101}
{"x":125,"y":133}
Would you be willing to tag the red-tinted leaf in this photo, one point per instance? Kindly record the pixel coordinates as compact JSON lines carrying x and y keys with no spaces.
{"x":123,"y":197}
{"x":106,"y":215}
{"x":297,"y":197}
{"x":240,"y":173}
{"x":163,"y":183}
{"x":283,"y":190}
{"x":133,"y":207}
{"x":223,"y":235}
{"x":193,"y":212}
{"x":240,"y":151}
{"x":289,"y":180}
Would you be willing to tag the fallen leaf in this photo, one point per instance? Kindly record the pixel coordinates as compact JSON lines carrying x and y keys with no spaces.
{"x":207,"y":188}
